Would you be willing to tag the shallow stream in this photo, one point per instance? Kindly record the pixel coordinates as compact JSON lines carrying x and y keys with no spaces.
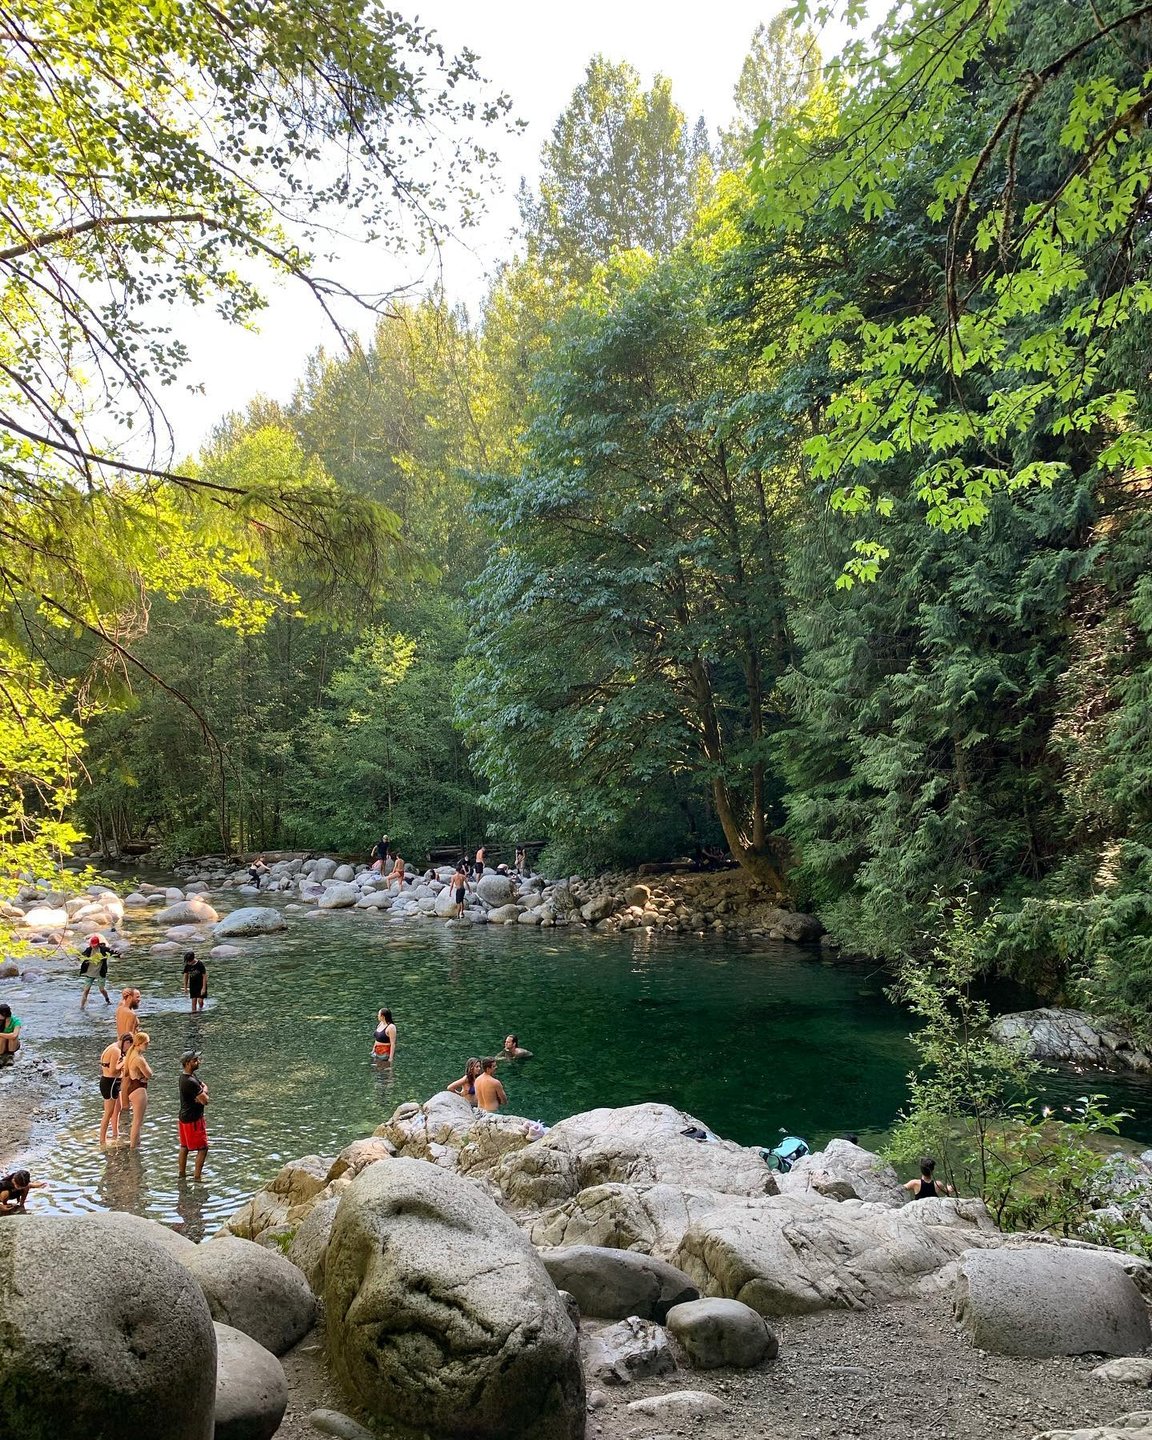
{"x":755,"y":1039}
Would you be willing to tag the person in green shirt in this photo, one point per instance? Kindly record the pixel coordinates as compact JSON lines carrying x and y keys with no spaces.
{"x":9,"y":1035}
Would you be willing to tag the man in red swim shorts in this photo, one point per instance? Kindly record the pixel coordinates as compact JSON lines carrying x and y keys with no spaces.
{"x":193,"y":1098}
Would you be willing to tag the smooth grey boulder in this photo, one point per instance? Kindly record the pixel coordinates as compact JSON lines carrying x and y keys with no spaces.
{"x":1041,"y":1301}
{"x":322,"y":869}
{"x":187,"y":912}
{"x":102,"y":1334}
{"x":339,"y":896}
{"x":632,"y":1349}
{"x":613,"y":1284}
{"x":495,"y":890}
{"x":441,"y":1317}
{"x":344,"y":872}
{"x":714,"y":1333}
{"x":138,"y":1229}
{"x":251,"y":1388}
{"x":308,"y":1248}
{"x":250,"y":920}
{"x":842,"y":1164}
{"x":256,"y":1290}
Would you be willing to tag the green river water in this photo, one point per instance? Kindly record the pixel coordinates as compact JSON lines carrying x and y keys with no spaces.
{"x":754,"y":1039}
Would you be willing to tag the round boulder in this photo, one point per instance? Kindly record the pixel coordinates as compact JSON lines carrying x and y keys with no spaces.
{"x":495,"y":889}
{"x":188,"y":912}
{"x":255,"y":1290}
{"x":101,"y":1332}
{"x":338,"y":896}
{"x":441,"y":1317}
{"x":716,"y":1333}
{"x":250,"y":920}
{"x":251,"y":1388}
{"x":1043,"y":1300}
{"x":613,"y":1284}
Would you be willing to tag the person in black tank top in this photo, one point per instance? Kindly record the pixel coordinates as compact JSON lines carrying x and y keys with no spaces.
{"x":926,"y":1187}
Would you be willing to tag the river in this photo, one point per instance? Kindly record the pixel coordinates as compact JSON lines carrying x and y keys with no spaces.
{"x":756,"y":1039}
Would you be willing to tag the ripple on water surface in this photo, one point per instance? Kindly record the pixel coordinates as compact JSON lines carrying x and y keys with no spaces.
{"x":752,"y":1038}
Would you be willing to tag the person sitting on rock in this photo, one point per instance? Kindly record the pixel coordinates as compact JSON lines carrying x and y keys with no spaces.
{"x":489,"y":1091}
{"x":397,"y":871}
{"x":513,"y":1049}
{"x":14,"y":1190}
{"x":9,"y":1035}
{"x":466,"y":1085}
{"x":926,"y":1187}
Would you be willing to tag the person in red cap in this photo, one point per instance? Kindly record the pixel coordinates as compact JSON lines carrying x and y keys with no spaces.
{"x":193,"y":1098}
{"x":92,"y":973}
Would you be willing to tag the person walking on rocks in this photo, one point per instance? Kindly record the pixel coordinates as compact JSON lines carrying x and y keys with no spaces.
{"x":195,"y":981}
{"x":478,"y":863}
{"x":927,"y":1187}
{"x":92,"y":971}
{"x":257,"y":870}
{"x":381,"y":854}
{"x":384,"y":1040}
{"x":137,"y":1073}
{"x":489,"y":1091}
{"x":459,"y":887}
{"x":10,"y":1026}
{"x":193,"y":1098}
{"x":111,"y":1071}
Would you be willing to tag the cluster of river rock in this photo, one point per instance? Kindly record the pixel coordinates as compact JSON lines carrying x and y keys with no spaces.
{"x":471,"y":1281}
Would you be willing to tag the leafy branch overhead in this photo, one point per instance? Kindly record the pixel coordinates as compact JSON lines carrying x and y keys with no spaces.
{"x":1041,"y":266}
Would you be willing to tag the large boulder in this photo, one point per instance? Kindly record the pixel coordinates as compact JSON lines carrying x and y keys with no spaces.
{"x":321,"y":870}
{"x":717,"y":1333}
{"x":495,"y":890}
{"x":308,"y":1248}
{"x":339,"y":896}
{"x":187,"y":912}
{"x":251,"y":1388}
{"x":1071,"y":1036}
{"x":632,"y":1349}
{"x":344,"y":873}
{"x":440,"y":1315}
{"x":255,"y":1290}
{"x":285,"y":1200}
{"x":599,"y":908}
{"x":1042,"y":1300}
{"x":102,"y":1334}
{"x":793,"y":1254}
{"x":250,"y":920}
{"x":844,"y":1167}
{"x":504,"y":915}
{"x":637,"y":1144}
{"x":613,"y":1284}
{"x":44,"y":917}
{"x":445,"y":904}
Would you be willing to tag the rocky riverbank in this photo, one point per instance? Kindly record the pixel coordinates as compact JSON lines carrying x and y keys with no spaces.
{"x":612,"y":1279}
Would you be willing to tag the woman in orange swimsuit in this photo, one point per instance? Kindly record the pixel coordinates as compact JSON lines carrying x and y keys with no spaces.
{"x":137,"y":1072}
{"x":384,"y":1041}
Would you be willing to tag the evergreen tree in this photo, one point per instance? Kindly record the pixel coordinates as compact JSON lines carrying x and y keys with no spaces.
{"x":779,"y":74}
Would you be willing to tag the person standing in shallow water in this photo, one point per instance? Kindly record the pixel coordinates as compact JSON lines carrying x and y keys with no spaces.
{"x":193,"y":1098}
{"x":384,"y":1040}
{"x":927,"y":1187}
{"x":94,"y":972}
{"x":195,"y":981}
{"x":489,"y":1091}
{"x":111,"y":1068}
{"x":137,"y":1073}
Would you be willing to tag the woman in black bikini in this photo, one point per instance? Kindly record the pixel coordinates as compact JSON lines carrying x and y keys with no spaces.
{"x":466,"y":1085}
{"x":384,"y":1041}
{"x":926,"y":1187}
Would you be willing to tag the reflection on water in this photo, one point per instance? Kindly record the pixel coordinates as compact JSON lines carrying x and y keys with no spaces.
{"x":755,"y":1039}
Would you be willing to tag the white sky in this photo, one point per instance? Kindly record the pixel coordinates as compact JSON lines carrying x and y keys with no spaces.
{"x":535,"y":52}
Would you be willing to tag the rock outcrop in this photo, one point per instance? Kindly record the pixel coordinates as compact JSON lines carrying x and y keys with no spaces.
{"x":440,"y":1315}
{"x":1073,"y":1037}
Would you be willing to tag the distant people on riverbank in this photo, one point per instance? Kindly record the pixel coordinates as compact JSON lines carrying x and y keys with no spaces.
{"x":520,"y":864}
{"x":193,"y":1129}
{"x":10,"y":1027}
{"x":384,"y":1041}
{"x":257,"y":870}
{"x":195,"y":980}
{"x":111,"y":1083}
{"x":513,"y":1050}
{"x":926,"y":1186}
{"x":14,"y":1190}
{"x":381,"y":853}
{"x":127,"y":1012}
{"x":459,"y":887}
{"x":466,"y":1085}
{"x":489,"y":1091}
{"x":93,"y":971}
{"x":136,"y":1074}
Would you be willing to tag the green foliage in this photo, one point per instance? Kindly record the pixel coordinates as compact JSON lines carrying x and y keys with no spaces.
{"x":779,"y":75}
{"x":970,"y":1103}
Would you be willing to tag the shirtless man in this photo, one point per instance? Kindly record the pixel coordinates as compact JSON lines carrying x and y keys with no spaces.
{"x":128,"y":1012}
{"x":489,"y":1091}
{"x":459,"y":887}
{"x":513,"y":1050}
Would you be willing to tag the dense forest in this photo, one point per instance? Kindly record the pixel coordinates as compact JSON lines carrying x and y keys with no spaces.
{"x":789,"y":494}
